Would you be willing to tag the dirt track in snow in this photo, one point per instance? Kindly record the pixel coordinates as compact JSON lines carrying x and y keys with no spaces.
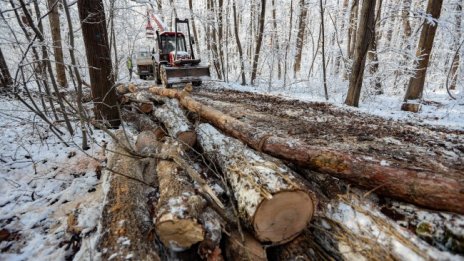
{"x":398,"y":143}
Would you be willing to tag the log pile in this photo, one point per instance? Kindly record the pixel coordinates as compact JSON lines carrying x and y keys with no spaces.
{"x":234,"y":202}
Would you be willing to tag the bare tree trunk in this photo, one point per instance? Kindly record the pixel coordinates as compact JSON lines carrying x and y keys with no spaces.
{"x":259,"y":41}
{"x":456,"y":59}
{"x":239,"y":45}
{"x":80,"y":108}
{"x":300,"y":36}
{"x":194,"y":29}
{"x":275,"y":35}
{"x":54,"y":18}
{"x":352,"y":28}
{"x":47,"y":63}
{"x":5,"y":77}
{"x":424,"y":48}
{"x":372,"y":54}
{"x":92,"y":16}
{"x":220,"y":34}
{"x":364,"y":36}
{"x":405,"y":18}
{"x":323,"y":51}
{"x":288,"y":42}
{"x":212,"y":41}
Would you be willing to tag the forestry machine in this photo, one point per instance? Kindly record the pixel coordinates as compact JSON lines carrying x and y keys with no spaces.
{"x":174,"y":59}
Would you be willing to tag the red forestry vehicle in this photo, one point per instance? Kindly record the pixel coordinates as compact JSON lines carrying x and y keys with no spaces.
{"x":174,"y":59}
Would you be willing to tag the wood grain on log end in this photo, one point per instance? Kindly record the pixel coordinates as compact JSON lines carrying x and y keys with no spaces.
{"x":146,"y":107}
{"x":180,"y":234}
{"x":282,"y":218}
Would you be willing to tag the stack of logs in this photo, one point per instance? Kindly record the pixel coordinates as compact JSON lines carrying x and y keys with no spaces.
{"x":212,"y":197}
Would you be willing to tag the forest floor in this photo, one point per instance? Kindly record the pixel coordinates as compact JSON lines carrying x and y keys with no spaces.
{"x":44,"y":184}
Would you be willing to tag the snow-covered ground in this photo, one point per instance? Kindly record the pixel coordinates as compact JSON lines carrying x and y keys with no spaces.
{"x":437,"y":109}
{"x":42,"y":184}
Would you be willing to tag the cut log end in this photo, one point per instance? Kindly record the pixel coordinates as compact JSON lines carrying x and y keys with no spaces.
{"x":411,"y":107}
{"x":283,"y":217}
{"x":187,"y":138}
{"x":180,"y":234}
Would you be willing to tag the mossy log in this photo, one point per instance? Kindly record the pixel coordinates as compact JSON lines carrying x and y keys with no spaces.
{"x":429,"y":188}
{"x":272,"y":202}
{"x":125,"y":221}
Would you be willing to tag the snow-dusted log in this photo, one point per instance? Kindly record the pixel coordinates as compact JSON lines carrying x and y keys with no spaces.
{"x":247,"y":248}
{"x":179,"y":206}
{"x":125,"y":218}
{"x":175,"y":121}
{"x":271,"y":200}
{"x":142,"y":122}
{"x":351,"y":226}
{"x":303,"y":247}
{"x":429,"y":188}
{"x":141,"y":101}
{"x":209,"y":248}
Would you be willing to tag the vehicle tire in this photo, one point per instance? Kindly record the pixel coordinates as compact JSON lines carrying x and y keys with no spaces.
{"x":157,"y":74}
{"x":164,"y":78}
{"x":196,"y":83}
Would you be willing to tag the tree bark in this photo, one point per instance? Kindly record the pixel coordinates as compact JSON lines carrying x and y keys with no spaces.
{"x":239,"y":45}
{"x":179,"y":206}
{"x":92,"y":16}
{"x":259,"y":42}
{"x":457,"y":42}
{"x":352,"y":28}
{"x":372,"y":54}
{"x":177,"y":124}
{"x":364,"y":36}
{"x":323,"y":52}
{"x":126,"y":225}
{"x":405,"y":17}
{"x":300,"y":36}
{"x":194,"y":29}
{"x":212,"y":41}
{"x":434,"y":189}
{"x":5,"y":77}
{"x":353,"y":225}
{"x":424,"y":48}
{"x":55,"y":28}
{"x":271,"y":200}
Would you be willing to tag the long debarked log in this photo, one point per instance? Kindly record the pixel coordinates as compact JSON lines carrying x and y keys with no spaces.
{"x":179,"y":207}
{"x":272,"y":202}
{"x":125,"y":219}
{"x":431,"y":189}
